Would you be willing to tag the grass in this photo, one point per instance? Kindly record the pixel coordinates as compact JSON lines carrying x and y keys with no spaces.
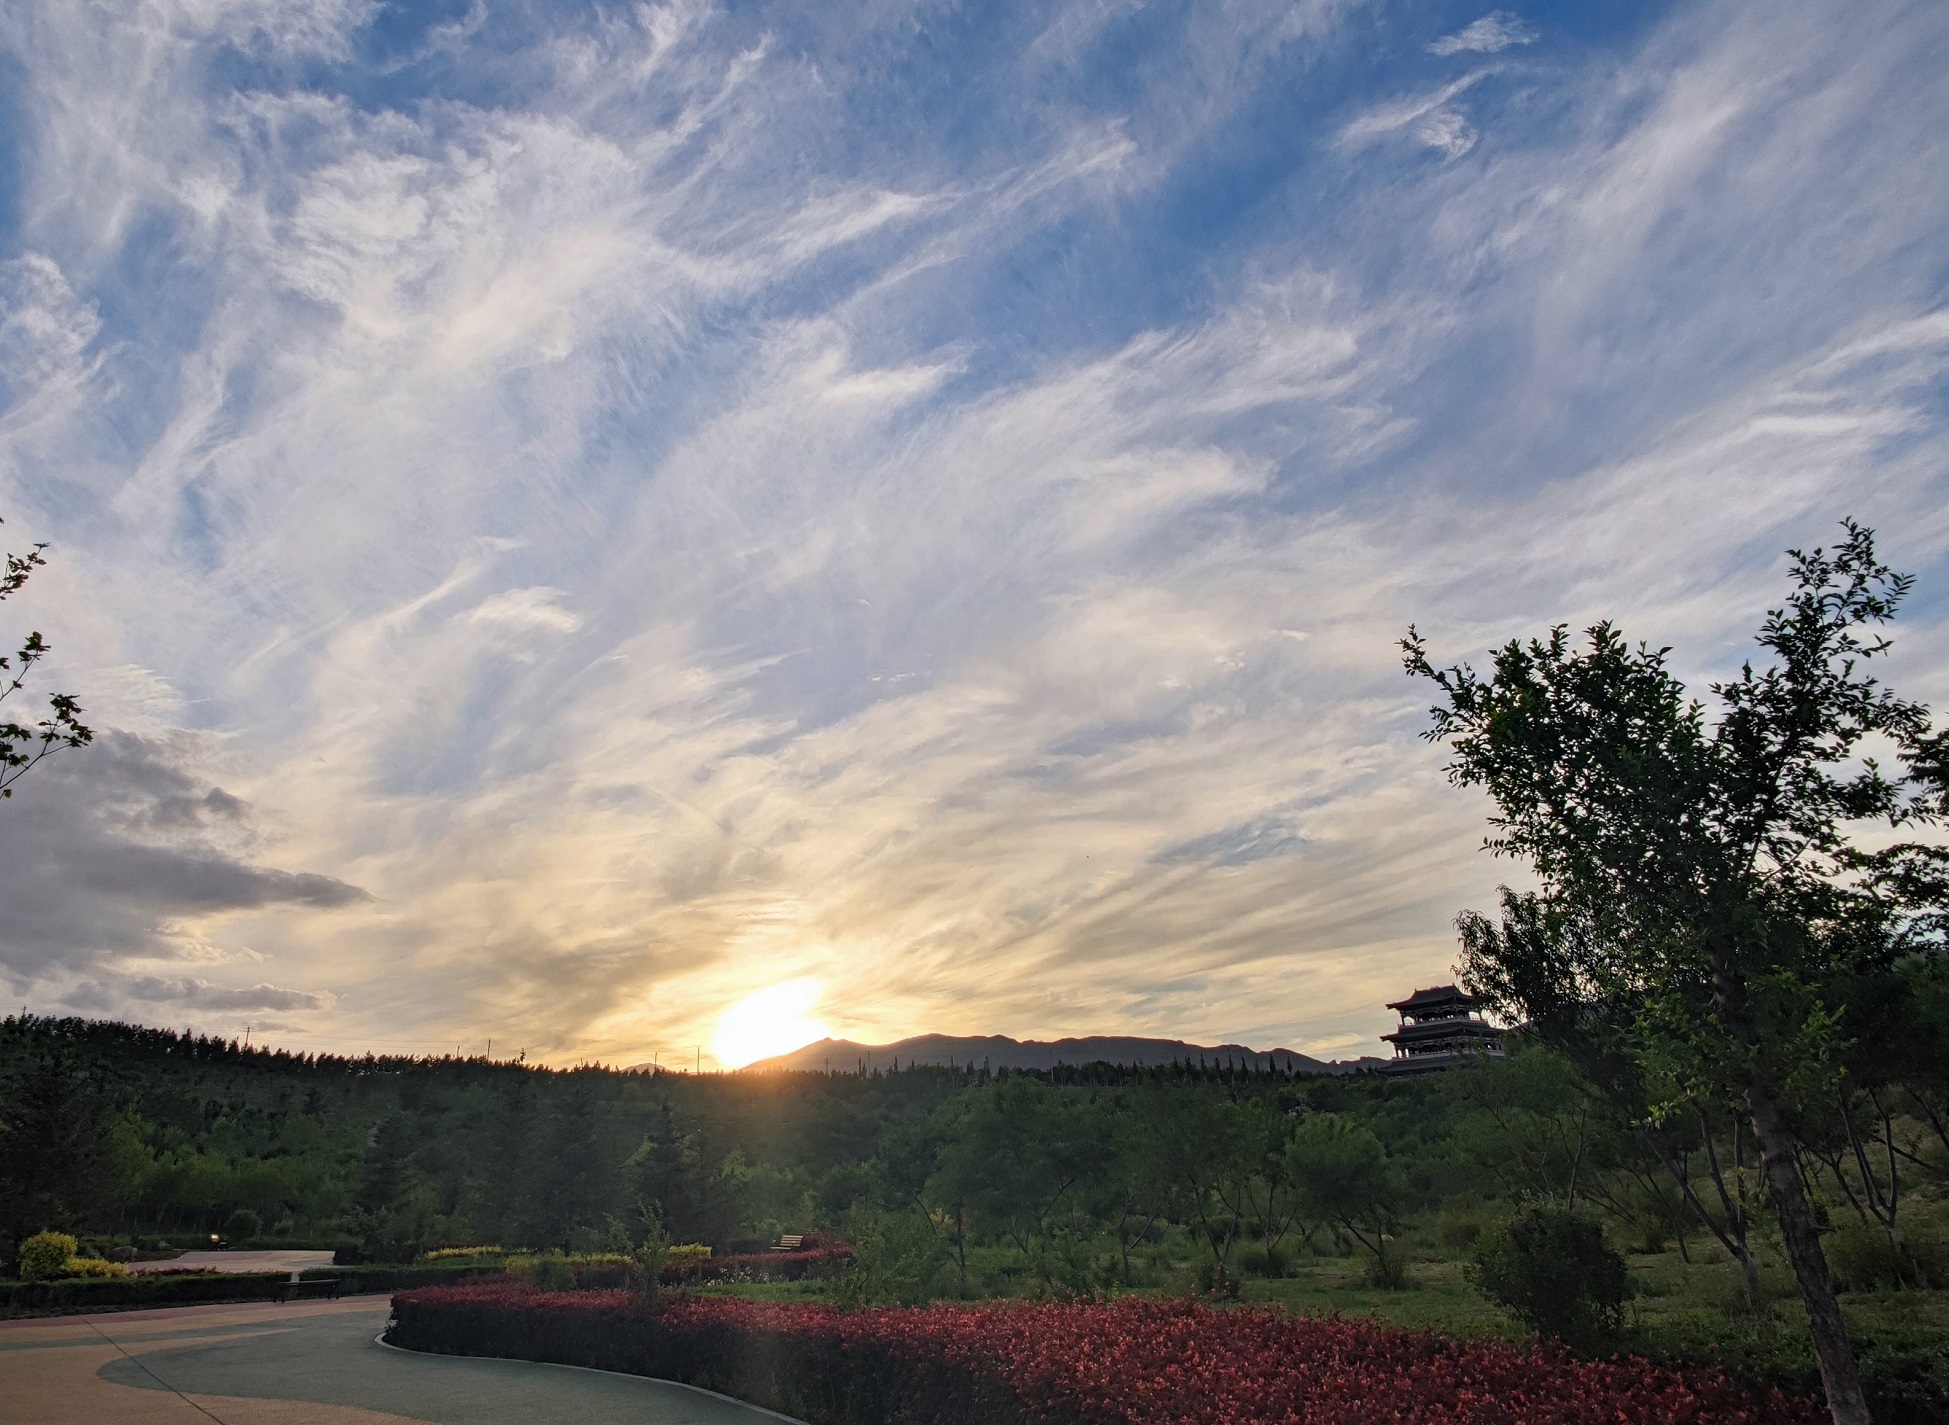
{"x":1439,"y":1300}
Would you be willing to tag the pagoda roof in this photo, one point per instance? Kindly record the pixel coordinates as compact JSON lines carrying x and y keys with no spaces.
{"x":1440,"y":1029}
{"x":1439,"y":994}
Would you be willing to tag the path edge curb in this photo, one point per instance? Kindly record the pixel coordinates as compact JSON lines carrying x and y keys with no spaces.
{"x":380,"y":1340}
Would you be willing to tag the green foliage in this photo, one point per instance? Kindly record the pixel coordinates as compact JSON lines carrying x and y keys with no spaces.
{"x":1255,"y":1260}
{"x":393,"y":1212}
{"x":1023,"y":1157}
{"x":899,"y":1259}
{"x":44,"y":1256}
{"x":544,"y":1271}
{"x":22,"y":745}
{"x":652,"y":1255}
{"x":57,"y":1141}
{"x":1344,"y":1176}
{"x":1865,"y":1258}
{"x":1705,"y":904}
{"x":694,"y":1193}
{"x":242,"y":1225}
{"x":1552,"y":1269}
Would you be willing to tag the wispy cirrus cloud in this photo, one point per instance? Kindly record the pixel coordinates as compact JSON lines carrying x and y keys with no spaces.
{"x":581,"y":517}
{"x":1428,"y":119}
{"x":1495,"y":31}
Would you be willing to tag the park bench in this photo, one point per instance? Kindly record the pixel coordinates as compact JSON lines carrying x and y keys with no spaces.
{"x":297,"y":1289}
{"x":791,"y":1242}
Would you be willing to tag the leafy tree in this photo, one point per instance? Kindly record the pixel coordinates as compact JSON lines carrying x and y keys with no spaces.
{"x":898,"y":1258}
{"x":22,"y":744}
{"x":672,"y":1176}
{"x":1142,"y":1191}
{"x":1530,"y":1122}
{"x":57,"y":1150}
{"x":1202,"y":1156}
{"x":1344,"y":1177}
{"x":393,"y":1212}
{"x":1262,"y":1180}
{"x":1022,"y":1156}
{"x":1703,"y":902}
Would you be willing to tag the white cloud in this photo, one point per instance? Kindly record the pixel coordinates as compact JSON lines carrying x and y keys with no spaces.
{"x":1497,"y":30}
{"x":652,"y":548}
{"x":1429,"y":119}
{"x":539,"y":608}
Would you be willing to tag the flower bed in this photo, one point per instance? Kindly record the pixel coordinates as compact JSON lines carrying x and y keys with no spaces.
{"x":1130,"y":1363}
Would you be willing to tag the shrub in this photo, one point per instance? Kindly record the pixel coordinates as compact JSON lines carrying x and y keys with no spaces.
{"x":1555,"y":1273}
{"x":243,"y":1225}
{"x":1459,"y":1228}
{"x":1863,"y":1259}
{"x":93,"y":1267}
{"x":899,"y":1258}
{"x":1132,"y":1362}
{"x":543,"y":1271}
{"x":685,"y":1252}
{"x":44,"y":1256}
{"x":1389,"y":1268}
{"x":450,"y":1254}
{"x":1256,"y":1261}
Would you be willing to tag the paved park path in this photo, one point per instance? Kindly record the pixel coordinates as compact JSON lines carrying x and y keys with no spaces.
{"x":306,"y":1363}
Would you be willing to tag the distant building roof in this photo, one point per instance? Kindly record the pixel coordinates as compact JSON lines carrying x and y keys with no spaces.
{"x":1444,"y":1030}
{"x":1438,"y":994}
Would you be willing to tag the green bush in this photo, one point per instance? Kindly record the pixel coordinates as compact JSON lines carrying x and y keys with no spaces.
{"x":899,"y":1259}
{"x":1459,"y":1228}
{"x":1554,"y":1272}
{"x":44,"y":1256}
{"x":1255,"y":1260}
{"x":544,"y":1271}
{"x":243,"y":1225}
{"x":1863,"y":1259}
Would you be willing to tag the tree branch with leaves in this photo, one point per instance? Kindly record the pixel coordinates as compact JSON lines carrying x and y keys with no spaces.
{"x":24,"y":744}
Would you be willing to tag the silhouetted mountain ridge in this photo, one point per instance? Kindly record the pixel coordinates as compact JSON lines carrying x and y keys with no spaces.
{"x":996,"y":1051}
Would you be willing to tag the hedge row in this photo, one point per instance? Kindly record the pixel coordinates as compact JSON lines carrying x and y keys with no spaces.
{"x":138,"y":1293}
{"x":713,"y":1343}
{"x":612,"y":1273}
{"x":1134,"y":1362}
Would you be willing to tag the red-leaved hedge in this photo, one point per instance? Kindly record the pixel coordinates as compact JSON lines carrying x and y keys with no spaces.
{"x":1137,"y":1362}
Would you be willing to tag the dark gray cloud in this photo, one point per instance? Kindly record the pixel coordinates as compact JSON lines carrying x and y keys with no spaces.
{"x":103,"y":846}
{"x":191,"y":993}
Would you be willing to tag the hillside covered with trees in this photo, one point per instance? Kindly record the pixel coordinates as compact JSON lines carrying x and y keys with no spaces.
{"x":960,"y":1184}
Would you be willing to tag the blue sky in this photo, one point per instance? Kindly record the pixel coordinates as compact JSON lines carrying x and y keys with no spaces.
{"x":571,"y":516}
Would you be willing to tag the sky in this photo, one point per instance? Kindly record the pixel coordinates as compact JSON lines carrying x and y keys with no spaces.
{"x":568,"y":518}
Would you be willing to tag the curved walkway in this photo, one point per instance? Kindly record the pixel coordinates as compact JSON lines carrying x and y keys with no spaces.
{"x":306,"y":1364}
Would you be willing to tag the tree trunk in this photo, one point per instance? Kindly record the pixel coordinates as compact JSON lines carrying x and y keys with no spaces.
{"x":1838,"y":1372}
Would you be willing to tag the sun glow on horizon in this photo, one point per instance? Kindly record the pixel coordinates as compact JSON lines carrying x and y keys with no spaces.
{"x":770,"y":1021}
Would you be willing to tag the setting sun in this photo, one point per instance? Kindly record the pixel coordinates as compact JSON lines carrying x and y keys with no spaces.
{"x":771,"y":1021}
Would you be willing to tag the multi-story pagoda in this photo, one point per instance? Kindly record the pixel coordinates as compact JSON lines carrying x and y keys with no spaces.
{"x":1439,"y":1030}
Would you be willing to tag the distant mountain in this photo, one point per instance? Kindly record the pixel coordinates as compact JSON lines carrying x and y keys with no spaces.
{"x":843,"y":1056}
